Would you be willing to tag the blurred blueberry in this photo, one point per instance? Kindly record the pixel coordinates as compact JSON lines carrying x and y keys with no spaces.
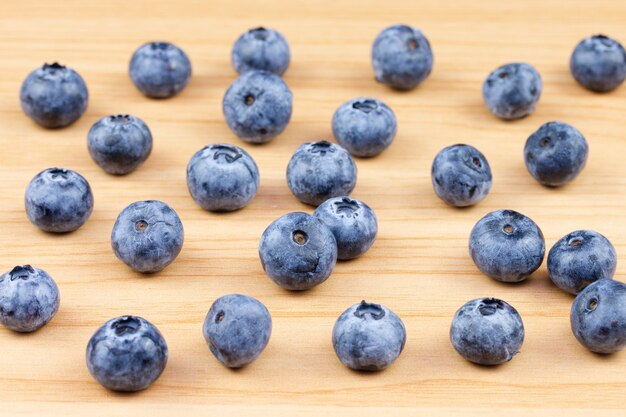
{"x":127,"y":353}
{"x":580,"y":258}
{"x":54,"y":96}
{"x":257,"y":106}
{"x":598,"y":63}
{"x":298,"y":251}
{"x":461,"y":175}
{"x":556,"y":153}
{"x":318,"y":171}
{"x":160,"y":69}
{"x":598,"y":316}
{"x":364,"y":126}
{"x":261,"y":49}
{"x":353,"y":224}
{"x":512,"y":90}
{"x":401,"y":57}
{"x":119,"y":144}
{"x":29,"y":298}
{"x":487,"y":331}
{"x":368,"y":337}
{"x":147,"y":236}
{"x":58,"y":200}
{"x":507,"y":246}
{"x":222,"y":177}
{"x":237,"y":329}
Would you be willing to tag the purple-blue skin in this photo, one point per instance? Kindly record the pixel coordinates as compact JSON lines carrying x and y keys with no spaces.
{"x":298,"y":251}
{"x":318,"y":171}
{"x":368,"y":337}
{"x":160,"y":69}
{"x":147,"y":236}
{"x":598,"y":316}
{"x":261,"y":49}
{"x":257,"y":106}
{"x":58,"y":200}
{"x":487,"y":331}
{"x":237,"y":329}
{"x":461,"y":175}
{"x":127,"y":353}
{"x":54,"y":96}
{"x":352,"y":222}
{"x":119,"y":144}
{"x":401,"y":57}
{"x":507,"y":246}
{"x":29,"y":298}
{"x":222,"y":177}
{"x":598,"y":63}
{"x":580,"y":258}
{"x":556,"y":153}
{"x":364,"y":126}
{"x":512,"y":91}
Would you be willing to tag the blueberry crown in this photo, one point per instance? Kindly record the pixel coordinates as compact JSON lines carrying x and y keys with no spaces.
{"x":365,"y":106}
{"x":21,"y":272}
{"x":124,"y":118}
{"x":321,"y":147}
{"x":53,"y":67}
{"x":58,"y":172}
{"x":160,"y":46}
{"x":347,"y":206}
{"x":230,"y":153}
{"x":489,"y":306}
{"x":375,"y":311}
{"x":125,"y":324}
{"x":259,"y":33}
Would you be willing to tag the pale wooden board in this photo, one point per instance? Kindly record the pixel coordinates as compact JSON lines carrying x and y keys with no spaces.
{"x":419,"y":266}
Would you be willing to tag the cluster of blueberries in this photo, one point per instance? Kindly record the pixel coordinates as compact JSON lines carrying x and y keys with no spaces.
{"x":299,"y":251}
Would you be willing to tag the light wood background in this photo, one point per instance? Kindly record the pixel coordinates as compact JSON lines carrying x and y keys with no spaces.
{"x":419,"y":266}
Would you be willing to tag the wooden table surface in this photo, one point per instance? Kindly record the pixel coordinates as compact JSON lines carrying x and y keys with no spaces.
{"x":419,"y":266}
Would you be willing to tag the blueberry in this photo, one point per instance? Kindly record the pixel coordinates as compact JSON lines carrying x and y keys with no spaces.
{"x":127,"y":353}
{"x":58,"y":200}
{"x":368,"y":337}
{"x":147,"y":236}
{"x":352,"y":222}
{"x":318,"y":171}
{"x":580,"y":258}
{"x":512,"y":91}
{"x":237,"y":329}
{"x":160,"y":69}
{"x":487,"y":331}
{"x":364,"y":126}
{"x":261,"y":49}
{"x":556,"y":153}
{"x":461,"y":175}
{"x":298,"y":251}
{"x":507,"y":246}
{"x":257,"y":106}
{"x":401,"y":57}
{"x":222,"y":177}
{"x":29,"y":298}
{"x":119,"y":144}
{"x":598,"y":316}
{"x":54,"y":96}
{"x":598,"y":63}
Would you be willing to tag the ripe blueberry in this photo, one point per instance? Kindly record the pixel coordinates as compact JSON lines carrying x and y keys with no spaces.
{"x":29,"y":298}
{"x":318,"y":171}
{"x":368,"y":337}
{"x":507,"y":246}
{"x":487,"y":331}
{"x":298,"y":251}
{"x":237,"y":329}
{"x":127,"y":353}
